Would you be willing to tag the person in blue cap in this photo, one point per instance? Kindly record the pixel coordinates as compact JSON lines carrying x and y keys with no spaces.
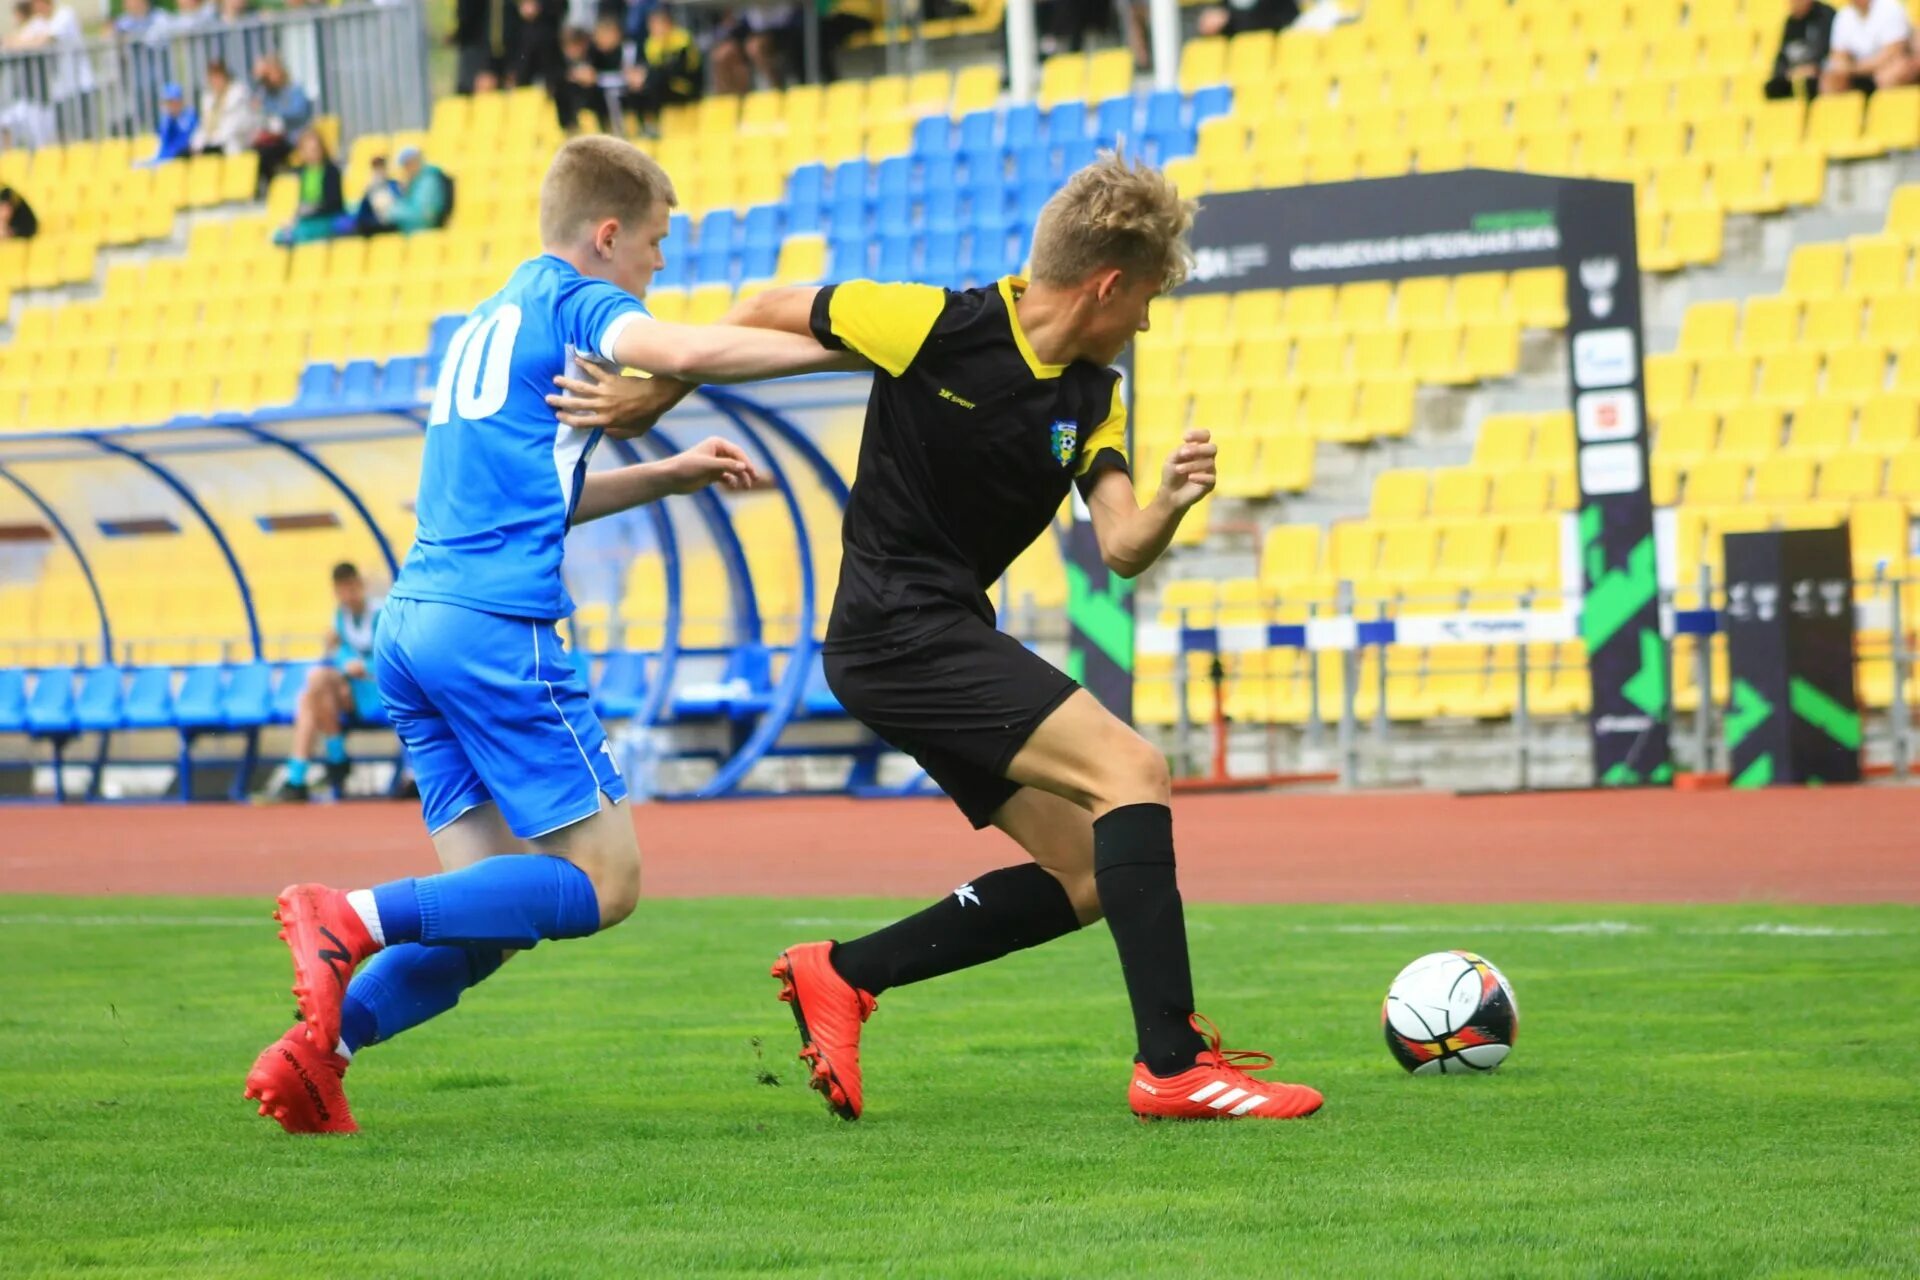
{"x":177,"y":122}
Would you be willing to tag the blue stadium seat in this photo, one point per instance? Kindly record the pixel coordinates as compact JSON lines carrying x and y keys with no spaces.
{"x":943,"y":176}
{"x":248,"y":701}
{"x":360,"y":385}
{"x":622,"y":690}
{"x":1113,"y":121}
{"x":13,"y":700}
{"x":440,"y":339}
{"x":713,"y":265}
{"x":680,"y":228}
{"x":896,"y":257}
{"x":1022,"y":127}
{"x":759,"y":261}
{"x":1076,"y":155}
{"x":1066,"y":121}
{"x":943,"y":209}
{"x":986,"y":186}
{"x":940,"y":256}
{"x":1214,"y":100}
{"x":817,"y":700}
{"x":979,"y":140}
{"x":806,"y":191}
{"x":933,"y":139}
{"x":761,"y":226}
{"x":317,"y":387}
{"x":895,"y":176}
{"x":678,"y":271}
{"x":50,"y":707}
{"x":895,"y":215}
{"x":850,"y":185}
{"x":286,"y":695}
{"x":1032,"y":196}
{"x":847,"y":223}
{"x":1168,"y":143}
{"x":1165,"y":111}
{"x":198,"y":704}
{"x":847,"y":258}
{"x":403,"y":378}
{"x":716,"y":229}
{"x":1032,"y":164}
{"x":743,"y":690}
{"x":149,"y":699}
{"x":98,"y":708}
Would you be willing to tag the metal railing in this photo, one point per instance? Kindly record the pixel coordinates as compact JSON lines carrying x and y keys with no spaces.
{"x":365,"y":64}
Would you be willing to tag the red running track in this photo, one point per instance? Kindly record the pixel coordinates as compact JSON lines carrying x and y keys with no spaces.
{"x":1824,"y":845}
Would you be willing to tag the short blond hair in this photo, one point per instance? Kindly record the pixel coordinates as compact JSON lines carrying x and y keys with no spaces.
{"x":596,"y":177}
{"x":1114,"y":213}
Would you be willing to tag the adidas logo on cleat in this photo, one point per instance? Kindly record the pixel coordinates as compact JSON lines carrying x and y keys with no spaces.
{"x":1144,"y":1087}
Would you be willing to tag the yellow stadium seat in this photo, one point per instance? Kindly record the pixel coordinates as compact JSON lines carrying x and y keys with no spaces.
{"x":1903,"y":468}
{"x":1668,"y":381}
{"x":1798,"y":179}
{"x":1876,"y":264}
{"x":1719,"y":137}
{"x":1850,"y":477}
{"x":1730,"y":49}
{"x":1480,"y":296}
{"x":1422,"y":300}
{"x":1203,"y":62}
{"x":1492,"y":350}
{"x":707,"y":303}
{"x":240,"y":177}
{"x":1257,"y":313}
{"x":1722,"y":381}
{"x":1399,"y":495}
{"x":1832,"y":322}
{"x":1386,"y":407}
{"x":1855,"y":372}
{"x":1539,"y":297}
{"x":1889,"y":423}
{"x":1749,"y":432}
{"x":1434,"y":355}
{"x":1783,"y":479}
{"x":887,"y":96}
{"x":803,"y":259}
{"x":1685,"y":436}
{"x":1740,"y":184}
{"x":1459,"y":492}
{"x":1717,"y":482}
{"x":1378,"y":353}
{"x":845,"y":101}
{"x":1063,"y":78}
{"x":1309,"y":308}
{"x":1469,"y":550}
{"x":1660,"y":140}
{"x":976,"y":87}
{"x":1329,"y":410}
{"x":1504,"y":443}
{"x":1816,"y":270}
{"x":1694,"y":236}
{"x":1778,"y":126}
{"x":1769,"y":324}
{"x":1353,"y":549}
{"x":1407,"y":553}
{"x":1286,"y":463}
{"x":1895,"y":320}
{"x":1821,"y":429}
{"x":1363,"y":304}
{"x":1836,"y":126}
{"x":1789,"y":377}
{"x":1708,"y":328}
{"x":1529,"y":554}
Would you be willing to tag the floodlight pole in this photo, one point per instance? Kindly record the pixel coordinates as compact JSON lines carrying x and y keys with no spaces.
{"x":1163,"y":32}
{"x":1023,"y":51}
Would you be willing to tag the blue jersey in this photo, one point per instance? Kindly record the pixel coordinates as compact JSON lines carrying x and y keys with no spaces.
{"x":501,"y":476}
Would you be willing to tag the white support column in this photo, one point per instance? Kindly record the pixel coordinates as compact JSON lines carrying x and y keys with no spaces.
{"x":1163,"y":31}
{"x":1023,"y":51}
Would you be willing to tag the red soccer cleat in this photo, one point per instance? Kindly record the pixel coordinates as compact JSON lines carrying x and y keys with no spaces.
{"x":1218,"y":1087}
{"x":301,"y":1087}
{"x":829,"y":1013}
{"x":327,"y":940}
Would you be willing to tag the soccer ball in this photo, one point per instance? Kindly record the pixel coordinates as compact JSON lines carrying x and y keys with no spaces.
{"x":1450,"y":1013}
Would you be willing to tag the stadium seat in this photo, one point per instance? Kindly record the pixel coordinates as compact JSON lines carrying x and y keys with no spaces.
{"x":50,"y":708}
{"x":247,"y":701}
{"x":97,"y":708}
{"x":13,"y":700}
{"x":149,"y":703}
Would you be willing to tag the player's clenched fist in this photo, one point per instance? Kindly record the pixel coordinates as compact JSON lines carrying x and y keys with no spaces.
{"x":1191,"y":472}
{"x":712,"y":461}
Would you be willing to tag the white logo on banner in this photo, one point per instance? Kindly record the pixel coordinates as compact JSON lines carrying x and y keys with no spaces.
{"x":1601,"y":276}
{"x":1604,"y":358}
{"x":1229,"y":263}
{"x":1611,"y":468}
{"x":1607,"y":415}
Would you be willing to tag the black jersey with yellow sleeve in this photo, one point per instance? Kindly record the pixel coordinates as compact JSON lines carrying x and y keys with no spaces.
{"x":970,"y":445}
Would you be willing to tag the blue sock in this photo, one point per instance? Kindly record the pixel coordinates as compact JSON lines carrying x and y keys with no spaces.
{"x":296,"y":773}
{"x":511,"y":902}
{"x":336,"y":749}
{"x":403,"y":986}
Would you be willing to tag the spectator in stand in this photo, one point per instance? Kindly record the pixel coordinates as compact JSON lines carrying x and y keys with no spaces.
{"x":775,"y":39}
{"x":1872,"y":48}
{"x":472,"y":38}
{"x":285,"y":112}
{"x":486,"y":82}
{"x":321,"y":204}
{"x":176,"y":125}
{"x":141,"y":36}
{"x":533,"y":57}
{"x":419,"y":201}
{"x":227,"y":122}
{"x":17,"y":220}
{"x":69,"y":73}
{"x":1236,"y":16}
{"x":339,"y":690}
{"x":579,"y":87}
{"x":188,"y":17}
{"x":669,"y":70}
{"x":727,"y":55}
{"x":1804,"y":41}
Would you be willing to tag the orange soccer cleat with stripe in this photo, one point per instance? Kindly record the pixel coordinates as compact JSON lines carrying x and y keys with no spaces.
{"x":1217,"y":1087}
{"x":829,"y":1012}
{"x":324,"y":933}
{"x":301,"y":1087}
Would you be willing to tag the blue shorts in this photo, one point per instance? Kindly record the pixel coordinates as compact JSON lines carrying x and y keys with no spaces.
{"x":491,"y":708}
{"x":367,"y":707}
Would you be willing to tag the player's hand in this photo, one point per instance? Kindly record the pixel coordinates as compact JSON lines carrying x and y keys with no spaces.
{"x":354,"y":669}
{"x":712,"y":461}
{"x":607,"y":399}
{"x":1191,"y":472}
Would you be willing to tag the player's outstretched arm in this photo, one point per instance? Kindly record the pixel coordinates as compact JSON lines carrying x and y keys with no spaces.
{"x":721,"y":352}
{"x":712,"y":461}
{"x":1131,"y":536}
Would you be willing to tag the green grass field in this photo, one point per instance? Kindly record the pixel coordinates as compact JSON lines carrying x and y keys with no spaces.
{"x":1717,"y":1091}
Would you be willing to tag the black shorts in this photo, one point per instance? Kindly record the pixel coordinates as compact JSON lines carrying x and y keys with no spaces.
{"x":962,"y":701}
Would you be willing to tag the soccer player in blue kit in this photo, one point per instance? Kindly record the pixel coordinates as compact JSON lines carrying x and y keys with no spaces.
{"x":519,"y":789}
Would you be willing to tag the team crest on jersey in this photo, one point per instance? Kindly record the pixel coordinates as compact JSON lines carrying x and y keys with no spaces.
{"x":1066,"y":442}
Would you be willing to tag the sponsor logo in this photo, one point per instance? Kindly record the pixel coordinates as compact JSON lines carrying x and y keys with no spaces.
{"x":1622,"y":724}
{"x":336,"y":958}
{"x":1066,"y":442}
{"x":1229,"y":262}
{"x":1604,"y":358}
{"x":966,"y":896}
{"x":948,"y":395}
{"x":1600,"y":277}
{"x":1611,"y":468}
{"x":1607,"y":415}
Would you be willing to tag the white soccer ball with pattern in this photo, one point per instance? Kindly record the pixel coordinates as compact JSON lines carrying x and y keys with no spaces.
{"x":1450,"y":1013}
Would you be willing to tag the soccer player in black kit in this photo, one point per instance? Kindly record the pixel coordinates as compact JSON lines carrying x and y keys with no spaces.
{"x":987,"y":404}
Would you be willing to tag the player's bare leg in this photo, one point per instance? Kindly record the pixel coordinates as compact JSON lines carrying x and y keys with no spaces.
{"x":1083,"y":754}
{"x":319,"y":712}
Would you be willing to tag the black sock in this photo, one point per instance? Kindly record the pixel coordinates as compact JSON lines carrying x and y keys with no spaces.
{"x":1133,"y":869}
{"x":1001,"y":912}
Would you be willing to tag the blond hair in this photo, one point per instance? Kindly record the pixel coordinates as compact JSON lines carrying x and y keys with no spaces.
{"x":1114,"y":214}
{"x":595,"y":177}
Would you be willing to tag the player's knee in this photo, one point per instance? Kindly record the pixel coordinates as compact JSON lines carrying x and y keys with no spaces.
{"x":617,"y":884}
{"x":1132,"y":772}
{"x":605,"y":848}
{"x":1083,"y":893}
